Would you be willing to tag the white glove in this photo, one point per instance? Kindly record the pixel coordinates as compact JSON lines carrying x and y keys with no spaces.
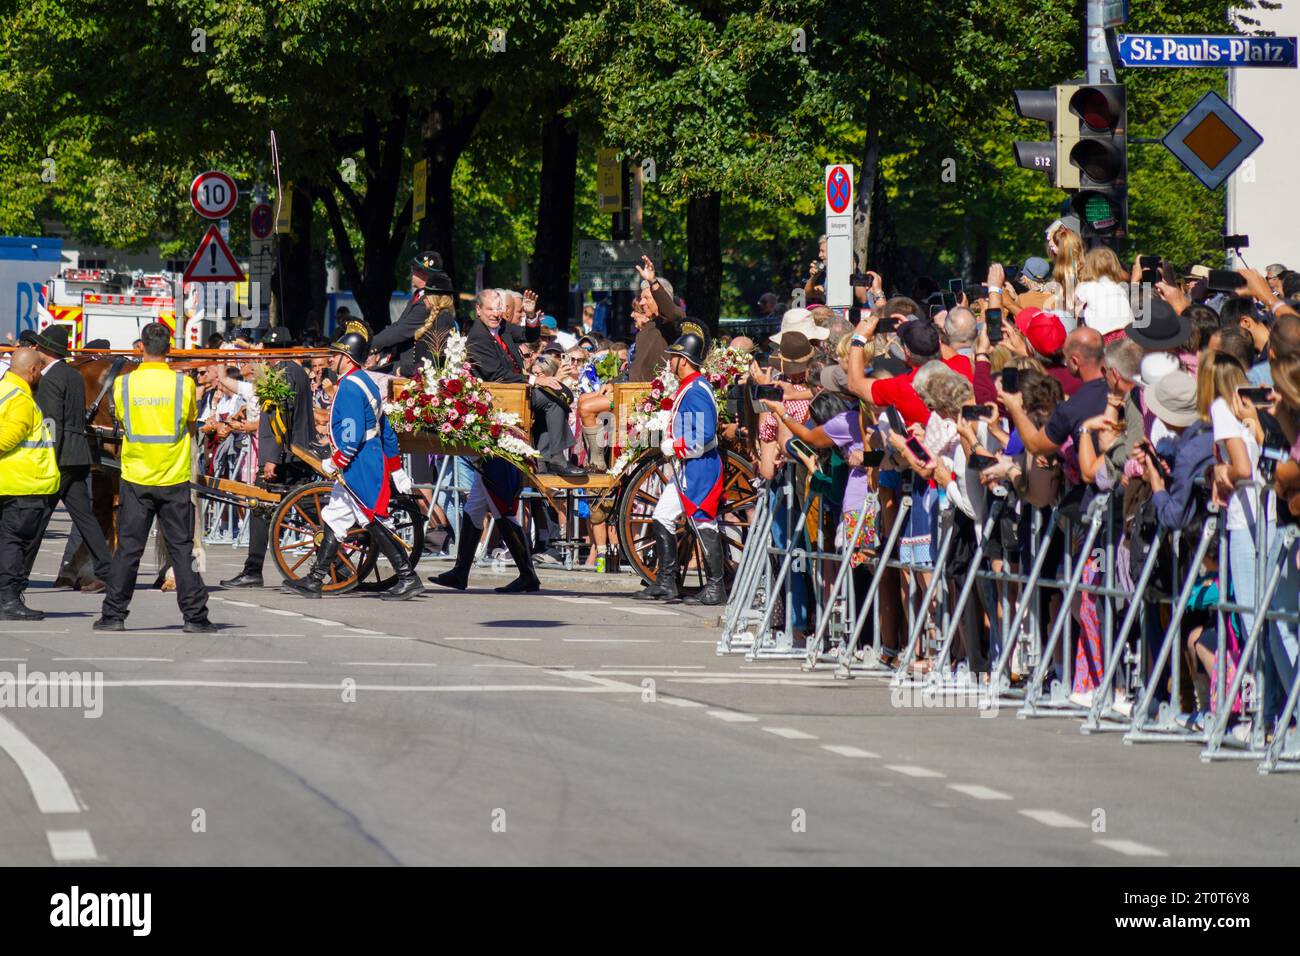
{"x":666,"y":446}
{"x":402,"y":481}
{"x":329,"y":466}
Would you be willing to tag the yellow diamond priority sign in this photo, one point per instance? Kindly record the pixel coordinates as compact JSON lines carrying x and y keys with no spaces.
{"x":1212,"y":140}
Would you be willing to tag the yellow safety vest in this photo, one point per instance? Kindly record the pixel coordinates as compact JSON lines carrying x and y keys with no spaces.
{"x":156,"y":406}
{"x":30,"y":467}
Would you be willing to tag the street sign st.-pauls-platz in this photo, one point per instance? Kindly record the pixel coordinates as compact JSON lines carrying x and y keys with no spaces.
{"x":1222,"y":52}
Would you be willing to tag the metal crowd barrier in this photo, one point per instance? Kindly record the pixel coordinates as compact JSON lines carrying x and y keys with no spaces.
{"x":1145,"y":654}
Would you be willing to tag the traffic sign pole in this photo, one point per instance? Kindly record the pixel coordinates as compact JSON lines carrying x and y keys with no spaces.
{"x":839,"y":235}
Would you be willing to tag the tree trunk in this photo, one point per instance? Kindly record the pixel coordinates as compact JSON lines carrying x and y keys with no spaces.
{"x":553,"y":247}
{"x":445,"y":131}
{"x":704,"y":258}
{"x":293,"y":286}
{"x":865,"y":193}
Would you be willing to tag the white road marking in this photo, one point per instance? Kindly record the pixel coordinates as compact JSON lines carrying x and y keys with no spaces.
{"x":491,"y":638}
{"x":21,"y":630}
{"x":576,"y":600}
{"x":273,"y":610}
{"x":648,"y":611}
{"x":699,"y":642}
{"x":629,"y":669}
{"x":271,"y":634}
{"x":789,"y":733}
{"x":322,"y":622}
{"x":731,"y":717}
{"x":384,"y":664}
{"x":246,"y":660}
{"x":48,"y":785}
{"x":393,"y":688}
{"x":610,"y":640}
{"x":679,"y":702}
{"x":12,"y":660}
{"x":1050,"y":818}
{"x":363,"y":630}
{"x":978,"y":792}
{"x":911,"y":770}
{"x":1130,"y":848}
{"x":141,"y":660}
{"x":67,"y":846}
{"x":846,"y":751}
{"x":236,"y":603}
{"x":538,"y":667}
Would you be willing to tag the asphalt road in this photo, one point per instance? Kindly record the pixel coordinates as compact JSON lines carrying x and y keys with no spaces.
{"x":570,"y":727}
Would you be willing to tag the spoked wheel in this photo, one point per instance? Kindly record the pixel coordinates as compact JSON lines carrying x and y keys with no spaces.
{"x":406,"y":518}
{"x":640,"y":494}
{"x":297,"y":531}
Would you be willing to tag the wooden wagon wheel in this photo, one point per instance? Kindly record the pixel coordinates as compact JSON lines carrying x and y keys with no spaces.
{"x":640,"y":493}
{"x":297,"y":531}
{"x":409,"y":523}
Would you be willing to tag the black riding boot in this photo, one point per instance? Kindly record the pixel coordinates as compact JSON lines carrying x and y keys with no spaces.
{"x":664,"y":586}
{"x":311,"y":585}
{"x":513,"y":535}
{"x":408,"y":582}
{"x":466,"y":548}
{"x":714,"y":590}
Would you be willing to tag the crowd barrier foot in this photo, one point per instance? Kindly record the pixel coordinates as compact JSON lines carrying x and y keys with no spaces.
{"x":1164,"y":729}
{"x":1056,"y":704}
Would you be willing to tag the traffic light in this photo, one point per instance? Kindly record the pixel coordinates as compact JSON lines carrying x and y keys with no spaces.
{"x":1098,"y":151}
{"x":1045,"y":156}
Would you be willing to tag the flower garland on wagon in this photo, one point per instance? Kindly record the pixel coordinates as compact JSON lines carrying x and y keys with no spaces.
{"x":652,"y":411}
{"x":446,"y":399}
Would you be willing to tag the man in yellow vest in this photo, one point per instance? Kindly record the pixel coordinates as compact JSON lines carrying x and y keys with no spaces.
{"x":29,"y":479}
{"x":156,"y":407}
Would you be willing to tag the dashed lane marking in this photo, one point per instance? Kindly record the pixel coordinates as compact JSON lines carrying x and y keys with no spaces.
{"x":911,"y":770}
{"x":516,"y":639}
{"x":979,"y":793}
{"x":1130,"y":848}
{"x":846,"y":751}
{"x":246,"y":660}
{"x":235,"y":603}
{"x":648,"y":611}
{"x":576,"y":600}
{"x":276,"y":610}
{"x":679,"y":702}
{"x":363,"y":630}
{"x":22,"y":630}
{"x":70,"y":846}
{"x":699,"y":642}
{"x":1050,"y":818}
{"x":610,"y":640}
{"x":629,"y":669}
{"x":385,"y":664}
{"x":133,"y":660}
{"x":789,"y":733}
{"x":48,"y":785}
{"x":538,"y":667}
{"x":731,"y":717}
{"x":322,"y":622}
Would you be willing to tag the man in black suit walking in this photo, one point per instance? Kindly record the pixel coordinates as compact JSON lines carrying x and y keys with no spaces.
{"x":61,"y":397}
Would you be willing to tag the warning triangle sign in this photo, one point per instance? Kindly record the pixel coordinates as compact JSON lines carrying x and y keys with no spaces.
{"x":213,"y":262}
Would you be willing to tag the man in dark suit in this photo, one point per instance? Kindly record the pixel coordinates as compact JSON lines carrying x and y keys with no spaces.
{"x":61,"y":397}
{"x":277,"y":430}
{"x":493,"y":348}
{"x":427,"y":278}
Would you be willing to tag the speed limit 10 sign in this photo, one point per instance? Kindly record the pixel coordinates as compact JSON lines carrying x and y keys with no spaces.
{"x":213,"y":194}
